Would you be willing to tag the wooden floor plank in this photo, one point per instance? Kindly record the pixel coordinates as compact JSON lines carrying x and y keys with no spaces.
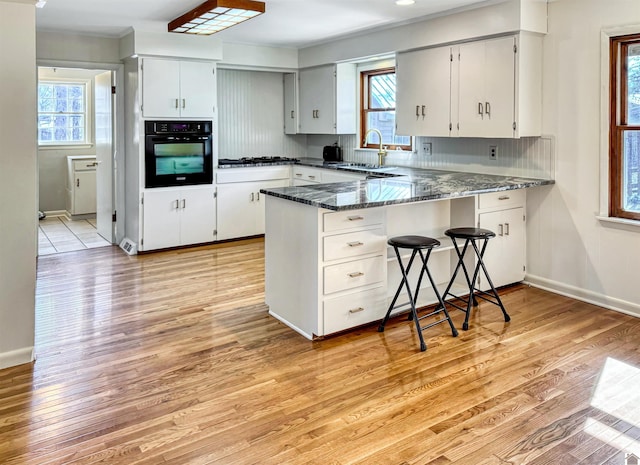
{"x":171,"y":358}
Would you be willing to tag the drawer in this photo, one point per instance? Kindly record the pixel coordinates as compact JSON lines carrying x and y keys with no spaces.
{"x":354,"y":274}
{"x":261,"y":173}
{"x":510,"y":198}
{"x":350,"y":219}
{"x":306,"y":174}
{"x":355,"y":309}
{"x":353,"y":244}
{"x":84,"y":165}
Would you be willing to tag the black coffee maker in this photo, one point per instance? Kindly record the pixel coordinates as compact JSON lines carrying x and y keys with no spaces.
{"x":332,"y":153}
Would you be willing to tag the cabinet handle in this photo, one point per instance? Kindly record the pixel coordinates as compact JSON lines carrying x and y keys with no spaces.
{"x":356,"y":274}
{"x":507,"y":228}
{"x":298,"y":174}
{"x":258,"y":196}
{"x":501,"y":227}
{"x":252,"y":196}
{"x":417,"y":111}
{"x":177,"y":204}
{"x":355,"y":244}
{"x":356,"y":310}
{"x":78,"y":182}
{"x":291,"y":114}
{"x":423,"y":114}
{"x":176,"y":103}
{"x":487,"y":108}
{"x":504,"y":197}
{"x":317,"y":113}
{"x":355,"y":218}
{"x":184,"y":203}
{"x":480,"y":109}
{"x":311,"y":176}
{"x":184,"y":103}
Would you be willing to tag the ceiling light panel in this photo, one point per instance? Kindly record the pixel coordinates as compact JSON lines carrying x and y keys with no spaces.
{"x":216,"y":15}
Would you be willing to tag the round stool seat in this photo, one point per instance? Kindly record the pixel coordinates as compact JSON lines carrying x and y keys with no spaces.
{"x":413,"y":242}
{"x":470,"y":233}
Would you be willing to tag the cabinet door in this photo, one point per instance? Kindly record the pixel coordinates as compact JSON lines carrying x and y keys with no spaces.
{"x":499,"y":87}
{"x":197,"y":89}
{"x":290,"y":104}
{"x":161,"y":219}
{"x":471,"y":90}
{"x":236,"y":209}
{"x":197,"y":216}
{"x":84,"y":192}
{"x":317,"y":100}
{"x":260,"y":200}
{"x":505,"y":254}
{"x":409,"y":92}
{"x":160,"y":88}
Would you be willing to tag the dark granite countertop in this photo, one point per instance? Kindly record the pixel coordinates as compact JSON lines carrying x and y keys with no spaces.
{"x":397,"y":185}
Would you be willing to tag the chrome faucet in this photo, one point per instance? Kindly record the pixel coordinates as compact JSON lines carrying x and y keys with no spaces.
{"x":381,"y":151}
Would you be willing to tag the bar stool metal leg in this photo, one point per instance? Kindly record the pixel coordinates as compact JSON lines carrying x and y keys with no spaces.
{"x":416,"y":243}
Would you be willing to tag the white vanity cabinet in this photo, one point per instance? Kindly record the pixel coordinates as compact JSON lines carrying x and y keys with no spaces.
{"x":240,"y":203}
{"x":327,"y":99}
{"x":503,"y":213}
{"x":81,"y":185}
{"x":176,"y":88}
{"x":423,"y":92}
{"x":174,"y":217}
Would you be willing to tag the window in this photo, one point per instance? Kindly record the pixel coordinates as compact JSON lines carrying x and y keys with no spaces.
{"x":62,"y":113}
{"x":378,"y":109}
{"x":624,"y":131}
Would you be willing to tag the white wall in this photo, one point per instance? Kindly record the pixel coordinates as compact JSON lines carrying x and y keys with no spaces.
{"x":569,"y":250}
{"x":76,"y":48}
{"x":18,"y":211}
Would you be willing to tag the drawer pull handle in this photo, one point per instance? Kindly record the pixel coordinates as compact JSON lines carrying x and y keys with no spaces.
{"x":504,"y":197}
{"x":355,"y":218}
{"x":298,"y":174}
{"x":311,"y":176}
{"x":355,"y":244}
{"x":506,"y":225}
{"x":356,"y":274}
{"x":356,"y":310}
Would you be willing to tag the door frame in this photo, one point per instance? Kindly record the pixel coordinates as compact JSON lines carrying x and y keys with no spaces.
{"x":119,"y":161}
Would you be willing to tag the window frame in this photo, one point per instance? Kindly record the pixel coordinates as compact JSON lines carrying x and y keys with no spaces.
{"x":365,"y":108}
{"x":618,"y":125}
{"x":87,"y":112}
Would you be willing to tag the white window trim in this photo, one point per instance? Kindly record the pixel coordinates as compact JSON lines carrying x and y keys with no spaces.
{"x":605,"y":36}
{"x":89,"y":129}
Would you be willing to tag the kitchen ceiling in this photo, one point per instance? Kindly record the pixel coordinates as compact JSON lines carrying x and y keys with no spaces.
{"x":286,"y":23}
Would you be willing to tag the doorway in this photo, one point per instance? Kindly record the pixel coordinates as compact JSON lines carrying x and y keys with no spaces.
{"x":77,"y":158}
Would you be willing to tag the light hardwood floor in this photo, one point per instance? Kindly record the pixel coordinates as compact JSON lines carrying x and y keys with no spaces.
{"x":171,"y":358}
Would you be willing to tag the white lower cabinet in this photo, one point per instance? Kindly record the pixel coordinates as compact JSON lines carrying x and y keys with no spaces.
{"x":175,"y":217}
{"x":240,"y":203}
{"x":503,"y":213}
{"x":81,"y":185}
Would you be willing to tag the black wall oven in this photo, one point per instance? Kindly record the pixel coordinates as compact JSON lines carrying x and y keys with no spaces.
{"x":178,"y":153}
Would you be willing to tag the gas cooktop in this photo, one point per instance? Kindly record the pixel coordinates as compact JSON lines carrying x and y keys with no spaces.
{"x":256,"y":160}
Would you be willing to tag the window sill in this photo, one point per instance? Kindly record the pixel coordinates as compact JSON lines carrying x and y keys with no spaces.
{"x":632,"y":224}
{"x":66,"y":147}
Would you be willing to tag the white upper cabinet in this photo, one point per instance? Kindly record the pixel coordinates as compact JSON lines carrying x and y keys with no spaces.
{"x":290,"y":82}
{"x":423,"y":92}
{"x":486,"y":88}
{"x":328,"y":99}
{"x":499,"y":87}
{"x":174,"y":88}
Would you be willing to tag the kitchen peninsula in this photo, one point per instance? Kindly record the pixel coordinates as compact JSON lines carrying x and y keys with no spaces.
{"x":327,"y":267}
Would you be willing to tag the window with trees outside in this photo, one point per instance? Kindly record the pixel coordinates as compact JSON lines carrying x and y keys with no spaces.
{"x":378,"y":109}
{"x":62,"y":113}
{"x":624,"y":132}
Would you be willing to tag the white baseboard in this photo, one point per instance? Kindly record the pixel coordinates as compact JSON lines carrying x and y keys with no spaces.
{"x":16,"y":357}
{"x":612,"y":303}
{"x":54,"y":213}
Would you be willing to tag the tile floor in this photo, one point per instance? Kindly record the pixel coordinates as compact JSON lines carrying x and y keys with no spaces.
{"x":61,"y":234}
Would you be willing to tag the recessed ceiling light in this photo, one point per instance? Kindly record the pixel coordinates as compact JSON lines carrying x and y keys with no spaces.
{"x":405,"y":2}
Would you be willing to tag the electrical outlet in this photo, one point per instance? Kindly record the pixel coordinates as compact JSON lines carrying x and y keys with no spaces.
{"x":493,"y":152}
{"x":426,"y":148}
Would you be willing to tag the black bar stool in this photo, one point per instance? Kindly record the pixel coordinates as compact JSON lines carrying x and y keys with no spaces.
{"x":417,"y":244}
{"x":472,"y":236}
